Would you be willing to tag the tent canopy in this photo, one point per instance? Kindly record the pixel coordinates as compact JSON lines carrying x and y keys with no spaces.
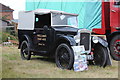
{"x":89,"y":12}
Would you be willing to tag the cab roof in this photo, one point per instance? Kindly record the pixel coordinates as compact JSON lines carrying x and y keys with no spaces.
{"x":46,"y":11}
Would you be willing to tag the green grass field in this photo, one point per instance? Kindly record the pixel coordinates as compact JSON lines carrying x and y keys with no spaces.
{"x":41,"y":67}
{"x":0,"y":62}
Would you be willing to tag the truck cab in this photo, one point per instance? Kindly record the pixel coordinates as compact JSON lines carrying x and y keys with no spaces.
{"x":111,"y":26}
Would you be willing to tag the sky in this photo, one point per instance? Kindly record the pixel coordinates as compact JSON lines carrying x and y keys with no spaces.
{"x":17,"y":5}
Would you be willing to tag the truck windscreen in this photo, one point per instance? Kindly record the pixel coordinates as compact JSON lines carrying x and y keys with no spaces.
{"x":64,"y":20}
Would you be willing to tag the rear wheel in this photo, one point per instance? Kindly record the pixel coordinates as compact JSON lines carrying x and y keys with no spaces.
{"x":100,"y":55}
{"x":115,"y":47}
{"x":25,"y":51}
{"x":64,"y":56}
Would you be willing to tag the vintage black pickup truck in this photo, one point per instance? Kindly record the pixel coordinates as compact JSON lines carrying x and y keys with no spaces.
{"x":52,"y":33}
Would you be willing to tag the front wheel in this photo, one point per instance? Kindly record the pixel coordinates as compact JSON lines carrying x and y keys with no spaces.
{"x":25,"y":51}
{"x":64,"y":56}
{"x":100,"y":55}
{"x":115,"y":48}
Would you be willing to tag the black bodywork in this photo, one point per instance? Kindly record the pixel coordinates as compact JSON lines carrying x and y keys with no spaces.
{"x":46,"y":39}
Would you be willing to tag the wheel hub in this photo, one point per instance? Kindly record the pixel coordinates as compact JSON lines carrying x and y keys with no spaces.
{"x":64,"y":58}
{"x":25,"y":51}
{"x":117,"y":47}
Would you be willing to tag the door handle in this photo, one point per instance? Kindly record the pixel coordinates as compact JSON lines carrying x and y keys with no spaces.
{"x":113,"y":10}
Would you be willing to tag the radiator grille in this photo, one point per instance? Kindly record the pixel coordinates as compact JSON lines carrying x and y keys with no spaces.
{"x":85,"y":40}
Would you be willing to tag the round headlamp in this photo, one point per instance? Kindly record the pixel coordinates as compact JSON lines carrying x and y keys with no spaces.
{"x":95,"y":39}
{"x":77,"y":37}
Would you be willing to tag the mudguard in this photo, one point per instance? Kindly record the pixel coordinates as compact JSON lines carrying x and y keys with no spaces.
{"x":115,"y":32}
{"x":109,"y":60}
{"x":69,"y":39}
{"x":110,"y":36}
{"x":104,"y":43}
{"x":26,"y":37}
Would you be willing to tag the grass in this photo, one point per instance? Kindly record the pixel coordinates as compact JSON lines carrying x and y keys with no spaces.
{"x":0,"y":62}
{"x":41,"y":67}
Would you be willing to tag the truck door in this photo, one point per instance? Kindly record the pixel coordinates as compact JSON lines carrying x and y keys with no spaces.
{"x":114,"y":14}
{"x":42,"y":32}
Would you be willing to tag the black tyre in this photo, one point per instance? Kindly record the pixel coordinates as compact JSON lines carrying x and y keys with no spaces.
{"x":25,"y":51}
{"x":64,"y":56}
{"x":100,"y":55}
{"x":115,"y":47}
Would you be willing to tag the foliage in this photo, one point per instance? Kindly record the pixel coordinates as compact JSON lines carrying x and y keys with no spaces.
{"x":11,"y":31}
{"x":5,"y":35}
{"x":5,"y":17}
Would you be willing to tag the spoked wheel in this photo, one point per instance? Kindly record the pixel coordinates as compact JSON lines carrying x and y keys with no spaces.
{"x":115,"y":48}
{"x":64,"y":56}
{"x":100,"y":55}
{"x":25,"y":51}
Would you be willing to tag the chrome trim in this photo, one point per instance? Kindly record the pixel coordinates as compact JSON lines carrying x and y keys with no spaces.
{"x":51,"y":19}
{"x":86,"y":31}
